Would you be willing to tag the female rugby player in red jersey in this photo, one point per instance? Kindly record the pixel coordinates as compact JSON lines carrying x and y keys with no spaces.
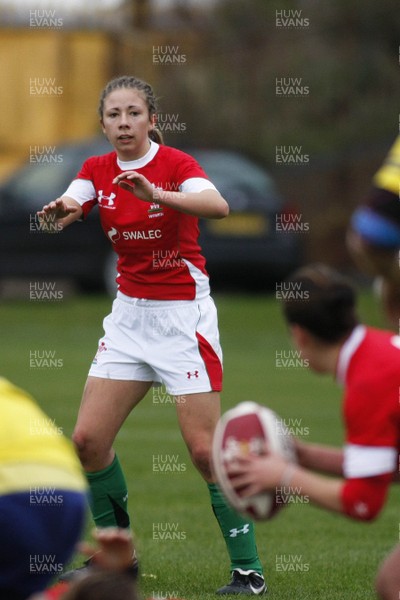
{"x":366,"y":362}
{"x":163,"y":326}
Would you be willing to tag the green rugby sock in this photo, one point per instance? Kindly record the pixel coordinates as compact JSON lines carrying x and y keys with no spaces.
{"x":109,"y":496}
{"x":238,"y":533}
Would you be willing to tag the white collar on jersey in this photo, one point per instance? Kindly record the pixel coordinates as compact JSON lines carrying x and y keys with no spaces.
{"x":131,"y":165}
{"x":347,"y":350}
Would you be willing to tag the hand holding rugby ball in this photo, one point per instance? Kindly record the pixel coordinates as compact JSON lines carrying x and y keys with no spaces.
{"x":248,"y":429}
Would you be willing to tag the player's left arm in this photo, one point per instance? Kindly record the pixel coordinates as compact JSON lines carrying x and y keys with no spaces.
{"x":319,"y":457}
{"x":207,"y":203}
{"x":358,"y":498}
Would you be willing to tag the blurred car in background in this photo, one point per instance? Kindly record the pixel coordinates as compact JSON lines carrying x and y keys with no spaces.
{"x":244,"y":250}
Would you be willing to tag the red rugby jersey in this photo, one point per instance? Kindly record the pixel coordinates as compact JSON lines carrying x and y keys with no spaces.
{"x":369,"y":368}
{"x":159,"y":256}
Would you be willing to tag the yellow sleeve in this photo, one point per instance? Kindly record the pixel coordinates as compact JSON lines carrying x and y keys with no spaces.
{"x":388,"y":176}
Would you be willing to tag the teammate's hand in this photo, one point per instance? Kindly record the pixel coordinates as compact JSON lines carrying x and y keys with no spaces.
{"x":136,"y":184}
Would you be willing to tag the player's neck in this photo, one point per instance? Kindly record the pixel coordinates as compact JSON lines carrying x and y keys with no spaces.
{"x":324,"y":358}
{"x":135,"y":153}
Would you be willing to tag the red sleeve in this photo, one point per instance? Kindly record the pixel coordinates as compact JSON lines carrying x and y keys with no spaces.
{"x":86,"y":171}
{"x":363,"y":499}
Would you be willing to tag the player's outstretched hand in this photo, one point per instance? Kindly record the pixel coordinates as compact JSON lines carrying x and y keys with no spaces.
{"x":115,"y":550}
{"x":58,"y":209}
{"x":252,"y":474}
{"x":136,"y":184}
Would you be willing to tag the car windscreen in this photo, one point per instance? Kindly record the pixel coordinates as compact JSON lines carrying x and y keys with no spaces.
{"x":46,"y":179}
{"x":38,"y":184}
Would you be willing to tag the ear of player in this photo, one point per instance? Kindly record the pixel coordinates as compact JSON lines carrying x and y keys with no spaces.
{"x":250,"y":428}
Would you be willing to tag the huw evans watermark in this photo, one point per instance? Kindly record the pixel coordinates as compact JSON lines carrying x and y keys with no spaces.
{"x":44,"y":86}
{"x":44,"y":563}
{"x":291,"y":87}
{"x":44,"y":359}
{"x":168,"y":531}
{"x":45,"y":19}
{"x":161,"y":396}
{"x":291,"y":155}
{"x":291,"y":426}
{"x":165,"y":260}
{"x":287,"y":494}
{"x":45,"y":496}
{"x":291,"y":563}
{"x":44,"y":426}
{"x":47,"y":224}
{"x":44,"y":291}
{"x":168,"y":55}
{"x":44,"y":155}
{"x":291,"y":290}
{"x":170,"y":123}
{"x":291,"y":19}
{"x":290,"y":359}
{"x":291,"y":223}
{"x":168,"y":463}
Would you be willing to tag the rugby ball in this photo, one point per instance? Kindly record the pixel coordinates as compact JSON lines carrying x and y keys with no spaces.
{"x":250,"y":428}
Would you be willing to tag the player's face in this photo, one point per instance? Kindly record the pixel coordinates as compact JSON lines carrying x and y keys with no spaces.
{"x":126,"y":123}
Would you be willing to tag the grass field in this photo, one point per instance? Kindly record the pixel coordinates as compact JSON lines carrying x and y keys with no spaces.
{"x":307,"y":553}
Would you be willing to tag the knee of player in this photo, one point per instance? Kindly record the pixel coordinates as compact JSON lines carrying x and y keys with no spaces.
{"x":200,"y":453}
{"x":84,"y":444}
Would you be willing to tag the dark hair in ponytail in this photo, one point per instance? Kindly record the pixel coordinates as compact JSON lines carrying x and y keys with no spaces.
{"x":322,"y":301}
{"x":127,"y":81}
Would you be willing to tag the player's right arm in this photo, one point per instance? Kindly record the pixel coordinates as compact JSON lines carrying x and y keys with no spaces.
{"x":63,"y":212}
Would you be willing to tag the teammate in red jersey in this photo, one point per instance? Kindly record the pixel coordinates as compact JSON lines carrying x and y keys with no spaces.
{"x":163,"y":326}
{"x":366,"y":361}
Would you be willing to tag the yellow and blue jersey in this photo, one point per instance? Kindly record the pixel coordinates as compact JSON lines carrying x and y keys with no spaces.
{"x":33,"y":450}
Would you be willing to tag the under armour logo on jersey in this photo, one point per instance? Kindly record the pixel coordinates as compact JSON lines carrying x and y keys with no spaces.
{"x":235,"y":532}
{"x":110,"y":198}
{"x":194,"y":374}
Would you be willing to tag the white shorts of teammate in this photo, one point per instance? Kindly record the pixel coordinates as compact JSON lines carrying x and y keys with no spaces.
{"x":170,"y":342}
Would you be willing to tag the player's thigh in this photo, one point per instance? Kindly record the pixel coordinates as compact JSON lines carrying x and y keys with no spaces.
{"x":197,"y":416}
{"x":105,"y":405}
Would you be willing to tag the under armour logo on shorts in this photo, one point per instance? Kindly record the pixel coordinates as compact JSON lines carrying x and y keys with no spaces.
{"x":194,"y":374}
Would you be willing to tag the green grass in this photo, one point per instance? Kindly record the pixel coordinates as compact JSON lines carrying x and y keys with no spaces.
{"x":336,"y":558}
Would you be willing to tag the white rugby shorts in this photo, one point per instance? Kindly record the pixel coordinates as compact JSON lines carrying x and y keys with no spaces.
{"x":170,"y":342}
